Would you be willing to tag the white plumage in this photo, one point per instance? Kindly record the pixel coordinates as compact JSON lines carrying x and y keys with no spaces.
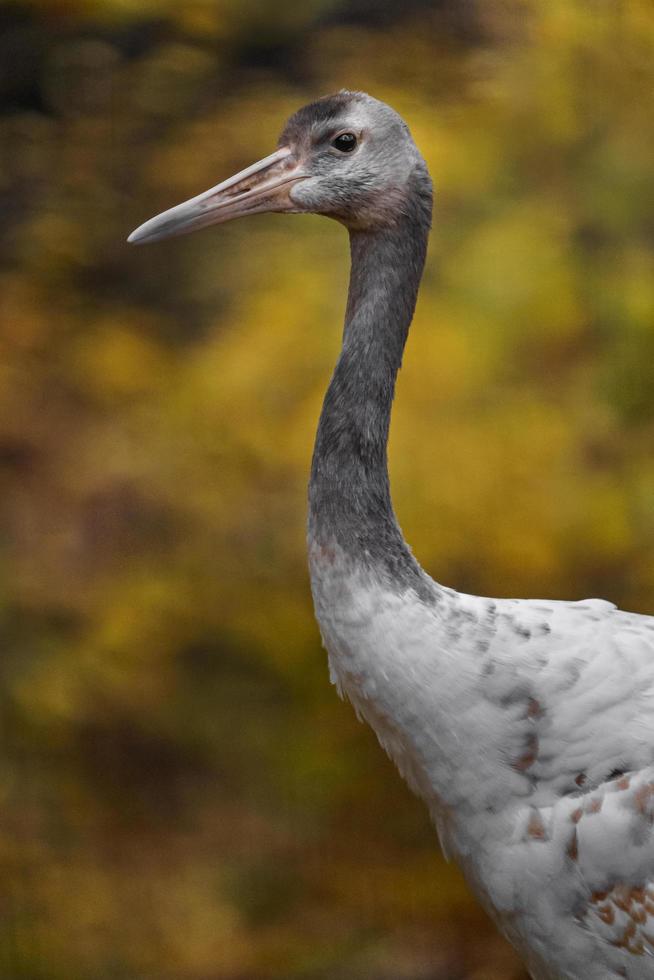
{"x":527,"y":727}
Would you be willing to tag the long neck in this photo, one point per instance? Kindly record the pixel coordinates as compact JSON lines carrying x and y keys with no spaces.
{"x":349,"y":495}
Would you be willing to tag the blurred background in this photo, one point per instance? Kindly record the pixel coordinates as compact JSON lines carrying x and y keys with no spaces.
{"x":182,"y":794}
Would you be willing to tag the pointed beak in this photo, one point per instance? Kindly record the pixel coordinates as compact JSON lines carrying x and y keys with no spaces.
{"x":264,"y":186}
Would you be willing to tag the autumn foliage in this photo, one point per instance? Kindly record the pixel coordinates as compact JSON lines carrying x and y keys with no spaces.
{"x":182,"y":794}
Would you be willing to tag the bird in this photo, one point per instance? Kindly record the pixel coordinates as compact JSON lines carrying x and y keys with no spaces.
{"x":526,"y":726}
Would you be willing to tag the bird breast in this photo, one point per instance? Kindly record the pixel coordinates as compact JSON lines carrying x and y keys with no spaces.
{"x":528,"y":729}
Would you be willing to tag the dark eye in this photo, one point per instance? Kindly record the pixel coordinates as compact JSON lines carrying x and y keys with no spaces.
{"x":346,"y":142}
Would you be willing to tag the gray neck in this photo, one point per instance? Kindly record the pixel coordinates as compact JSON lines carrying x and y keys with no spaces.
{"x":349,"y":494}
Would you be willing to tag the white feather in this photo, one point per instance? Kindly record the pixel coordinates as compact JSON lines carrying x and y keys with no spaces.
{"x":528,"y":729}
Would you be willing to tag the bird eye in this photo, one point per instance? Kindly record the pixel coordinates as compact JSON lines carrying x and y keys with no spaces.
{"x":346,"y":142}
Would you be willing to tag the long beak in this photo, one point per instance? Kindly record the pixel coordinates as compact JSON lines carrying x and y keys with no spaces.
{"x":264,"y":186}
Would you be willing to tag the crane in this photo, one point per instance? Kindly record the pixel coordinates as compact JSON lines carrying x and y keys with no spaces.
{"x":526,"y":726}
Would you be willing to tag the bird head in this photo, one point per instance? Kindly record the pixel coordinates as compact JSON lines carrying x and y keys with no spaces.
{"x":348,"y":156}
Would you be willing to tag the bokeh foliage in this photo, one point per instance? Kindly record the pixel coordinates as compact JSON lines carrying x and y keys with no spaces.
{"x":182,"y":795}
